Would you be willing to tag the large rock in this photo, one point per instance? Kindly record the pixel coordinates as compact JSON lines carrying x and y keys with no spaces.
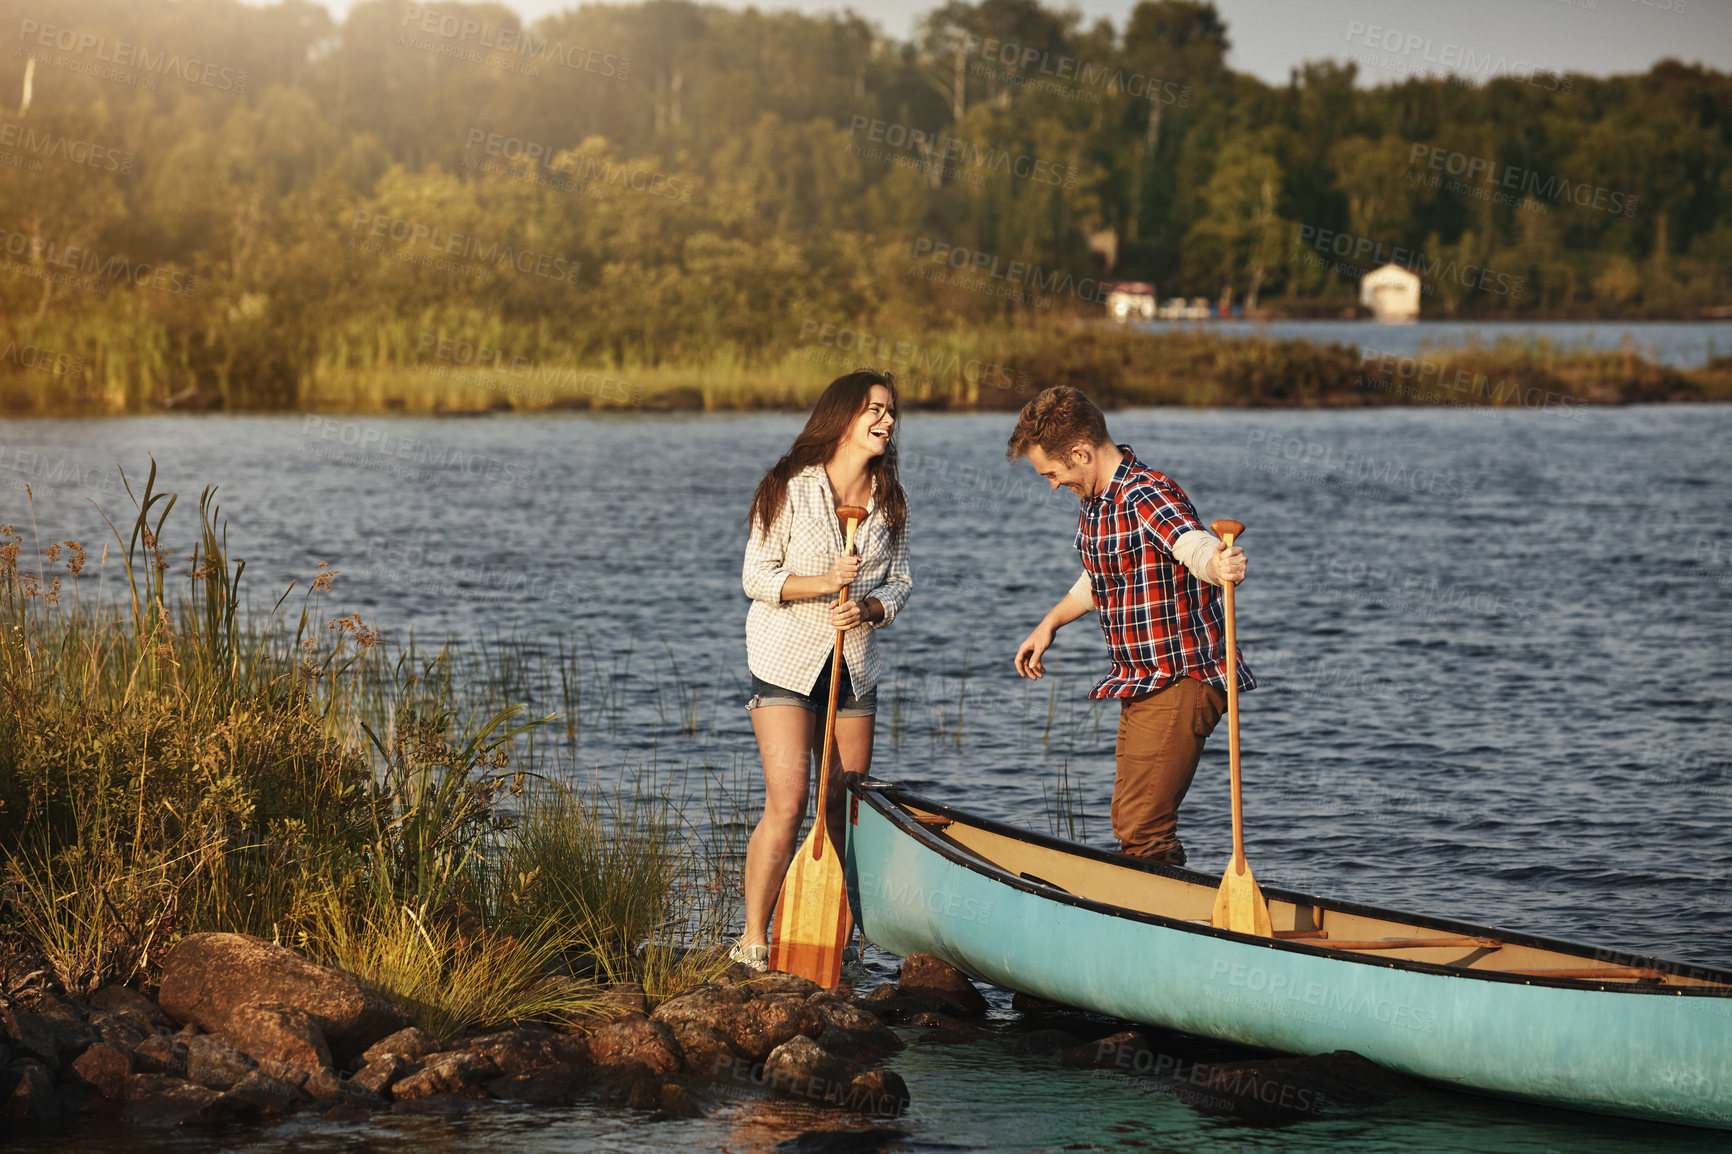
{"x":260,"y":1095}
{"x":162,"y":1101}
{"x":159,"y":1054}
{"x":280,"y":1033}
{"x":68,"y":1026}
{"x":636,"y":1041}
{"x":282,"y":1071}
{"x":383,"y":1072}
{"x":760,"y":1025}
{"x":926,"y":979}
{"x":412,"y":1045}
{"x":31,"y":1033}
{"x":559,"y":1086}
{"x":622,"y":998}
{"x":776,"y":982}
{"x":105,"y":1069}
{"x":124,"y":1002}
{"x":877,"y":1091}
{"x":329,"y":1087}
{"x":709,"y":1005}
{"x":215,"y":1064}
{"x":753,"y":1025}
{"x":706,"y":1048}
{"x":207,"y":977}
{"x":121,"y":1031}
{"x":527,"y":1049}
{"x":461,"y":1073}
{"x":852,"y":1032}
{"x":32,"y":1097}
{"x":1126,"y":1050}
{"x":805,"y":1069}
{"x":677,"y":1102}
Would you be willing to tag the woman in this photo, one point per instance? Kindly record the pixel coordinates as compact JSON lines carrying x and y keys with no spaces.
{"x":795,"y":566}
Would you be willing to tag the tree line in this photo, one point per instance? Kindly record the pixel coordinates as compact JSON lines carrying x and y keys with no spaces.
{"x":206,"y":195}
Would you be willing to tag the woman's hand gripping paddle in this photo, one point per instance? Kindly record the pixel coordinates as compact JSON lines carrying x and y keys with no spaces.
{"x":1239,"y":904}
{"x":812,"y":919}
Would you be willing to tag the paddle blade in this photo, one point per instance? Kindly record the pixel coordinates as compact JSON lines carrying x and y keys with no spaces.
{"x":812,"y":919}
{"x":1239,"y":904}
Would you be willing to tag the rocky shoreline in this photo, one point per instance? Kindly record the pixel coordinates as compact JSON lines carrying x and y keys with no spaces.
{"x":243,"y":1030}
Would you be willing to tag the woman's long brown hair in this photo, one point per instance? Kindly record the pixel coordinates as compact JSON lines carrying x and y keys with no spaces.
{"x":845,"y":399}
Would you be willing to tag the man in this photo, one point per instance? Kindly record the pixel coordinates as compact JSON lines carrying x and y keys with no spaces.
{"x":1153,"y":573}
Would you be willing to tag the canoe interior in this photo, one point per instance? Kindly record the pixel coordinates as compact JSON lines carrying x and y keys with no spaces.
{"x":1339,"y":929}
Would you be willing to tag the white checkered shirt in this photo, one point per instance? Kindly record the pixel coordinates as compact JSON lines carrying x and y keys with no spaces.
{"x":788,"y":643}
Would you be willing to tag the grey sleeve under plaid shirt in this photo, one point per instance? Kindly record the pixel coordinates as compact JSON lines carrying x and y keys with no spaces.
{"x":789,"y":642}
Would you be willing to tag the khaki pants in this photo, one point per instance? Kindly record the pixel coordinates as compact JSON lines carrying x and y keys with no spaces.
{"x":1160,"y":740}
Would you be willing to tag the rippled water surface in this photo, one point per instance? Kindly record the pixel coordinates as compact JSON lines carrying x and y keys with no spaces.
{"x":1493,"y":647}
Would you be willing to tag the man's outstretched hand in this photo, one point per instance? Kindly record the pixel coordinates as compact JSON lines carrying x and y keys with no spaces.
{"x":1028,"y":654}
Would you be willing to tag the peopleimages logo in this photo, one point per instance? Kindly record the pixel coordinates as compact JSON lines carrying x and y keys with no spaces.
{"x":1476,"y":169}
{"x":81,"y":261}
{"x":943,"y":147}
{"x":1027,"y":65}
{"x":581,"y":169}
{"x":43,"y":360}
{"x":1435,"y":269}
{"x":1012,"y":272}
{"x":63,"y":147}
{"x":464,"y":246}
{"x":125,"y":55}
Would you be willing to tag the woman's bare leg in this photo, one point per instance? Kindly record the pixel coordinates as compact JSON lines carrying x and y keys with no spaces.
{"x":854,"y":752}
{"x":784,"y":735}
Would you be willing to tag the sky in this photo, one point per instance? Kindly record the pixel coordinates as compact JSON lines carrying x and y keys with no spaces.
{"x":1390,"y":38}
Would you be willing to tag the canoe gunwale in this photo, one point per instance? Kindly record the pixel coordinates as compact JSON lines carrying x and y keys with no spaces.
{"x":889,"y":800}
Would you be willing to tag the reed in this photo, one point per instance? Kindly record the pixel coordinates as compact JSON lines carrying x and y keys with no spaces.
{"x":448,"y":979}
{"x":469,"y":360}
{"x":1064,"y":807}
{"x":171,"y":765}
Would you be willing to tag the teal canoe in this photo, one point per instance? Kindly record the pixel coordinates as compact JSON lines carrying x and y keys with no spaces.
{"x":1481,"y":1009}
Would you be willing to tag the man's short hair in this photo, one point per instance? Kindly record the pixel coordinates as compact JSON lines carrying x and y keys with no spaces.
{"x":1058,"y":420}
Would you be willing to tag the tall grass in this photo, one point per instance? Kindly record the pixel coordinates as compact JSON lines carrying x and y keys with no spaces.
{"x":447,"y":979}
{"x":385,"y":365}
{"x":612,"y":868}
{"x":169,"y":765}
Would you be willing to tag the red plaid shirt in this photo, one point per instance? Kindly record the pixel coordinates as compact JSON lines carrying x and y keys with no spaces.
{"x":1161,"y":623}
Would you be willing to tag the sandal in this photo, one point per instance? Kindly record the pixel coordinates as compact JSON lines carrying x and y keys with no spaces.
{"x":755,"y":958}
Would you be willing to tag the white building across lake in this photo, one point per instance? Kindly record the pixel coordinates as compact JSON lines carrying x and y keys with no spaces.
{"x":1131,"y":298}
{"x":1391,"y":293}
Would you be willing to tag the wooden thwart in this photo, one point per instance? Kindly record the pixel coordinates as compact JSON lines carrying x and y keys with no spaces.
{"x":1321,"y":937}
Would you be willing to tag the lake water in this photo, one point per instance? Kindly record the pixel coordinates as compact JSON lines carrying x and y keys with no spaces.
{"x":1682,"y":344}
{"x":1493,"y":647}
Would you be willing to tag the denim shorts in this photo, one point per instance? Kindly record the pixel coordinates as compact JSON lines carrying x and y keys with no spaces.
{"x":817,"y":701}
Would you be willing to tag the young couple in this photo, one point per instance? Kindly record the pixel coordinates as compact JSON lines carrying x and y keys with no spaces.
{"x":1150,"y":569}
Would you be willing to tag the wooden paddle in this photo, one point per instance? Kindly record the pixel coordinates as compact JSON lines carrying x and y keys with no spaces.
{"x":812,"y":918}
{"x":1239,"y":904}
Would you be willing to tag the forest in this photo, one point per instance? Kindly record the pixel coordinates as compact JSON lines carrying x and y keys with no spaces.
{"x":262,"y":207}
